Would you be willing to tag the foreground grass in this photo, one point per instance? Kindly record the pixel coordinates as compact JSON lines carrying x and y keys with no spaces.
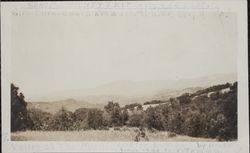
{"x":96,"y":135}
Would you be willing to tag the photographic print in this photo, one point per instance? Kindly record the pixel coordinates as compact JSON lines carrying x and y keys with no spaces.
{"x":122,"y":73}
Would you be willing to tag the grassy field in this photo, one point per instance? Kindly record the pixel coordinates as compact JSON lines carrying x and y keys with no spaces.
{"x":97,"y":135}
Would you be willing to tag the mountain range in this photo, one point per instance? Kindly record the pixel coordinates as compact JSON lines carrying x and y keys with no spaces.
{"x":127,"y":92}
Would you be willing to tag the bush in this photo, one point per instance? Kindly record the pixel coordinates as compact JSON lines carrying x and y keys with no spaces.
{"x":114,"y":110}
{"x":80,"y":117}
{"x":117,"y":129}
{"x":171,"y":134}
{"x":155,"y":119}
{"x":95,"y":119}
{"x":193,"y":125}
{"x":184,"y":98}
{"x":132,"y":106}
{"x":177,"y":122}
{"x":124,"y":116}
{"x":135,"y":120}
{"x":139,"y":107}
{"x":154,"y":102}
{"x":40,"y":119}
{"x":62,"y":120}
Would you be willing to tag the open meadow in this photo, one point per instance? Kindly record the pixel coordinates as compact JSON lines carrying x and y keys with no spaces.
{"x":98,"y":135}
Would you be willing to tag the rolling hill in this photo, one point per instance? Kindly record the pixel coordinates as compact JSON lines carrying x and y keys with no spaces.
{"x":68,"y":104}
{"x":126,"y":92}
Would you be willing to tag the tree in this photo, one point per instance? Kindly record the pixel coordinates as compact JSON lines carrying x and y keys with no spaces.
{"x":116,"y":116}
{"x":135,"y":120}
{"x":229,"y":106}
{"x":194,"y":125}
{"x":95,"y":118}
{"x":20,"y":119}
{"x":80,"y":117}
{"x":62,"y":120}
{"x":177,"y":123}
{"x":124,"y":116}
{"x":155,"y":119}
{"x":139,"y":107}
{"x":40,"y":119}
{"x":184,"y":98}
{"x":109,"y":108}
{"x":115,"y":113}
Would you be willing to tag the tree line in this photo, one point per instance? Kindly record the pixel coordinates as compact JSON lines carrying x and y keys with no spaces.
{"x":213,"y":116}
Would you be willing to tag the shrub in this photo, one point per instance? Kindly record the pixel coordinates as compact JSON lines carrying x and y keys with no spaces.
{"x":184,"y":98}
{"x":117,"y":129}
{"x":177,"y":122}
{"x":132,"y":106}
{"x":215,"y":96}
{"x":124,"y":116}
{"x":114,"y":110}
{"x":139,"y":107}
{"x":40,"y":119}
{"x":80,"y":117}
{"x":62,"y":120}
{"x":116,"y":116}
{"x":135,"y":120}
{"x":95,"y":118}
{"x":194,"y":125}
{"x":155,"y":119}
{"x":171,"y":134}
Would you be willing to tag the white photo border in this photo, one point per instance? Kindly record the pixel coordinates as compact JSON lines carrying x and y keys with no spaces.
{"x":240,"y":146}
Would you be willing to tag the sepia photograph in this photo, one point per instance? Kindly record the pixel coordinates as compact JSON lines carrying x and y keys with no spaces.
{"x":98,"y":74}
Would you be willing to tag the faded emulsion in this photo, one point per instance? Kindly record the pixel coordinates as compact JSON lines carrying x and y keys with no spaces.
{"x":126,"y":75}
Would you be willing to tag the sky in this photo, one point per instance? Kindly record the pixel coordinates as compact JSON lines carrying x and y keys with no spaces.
{"x":55,"y":53}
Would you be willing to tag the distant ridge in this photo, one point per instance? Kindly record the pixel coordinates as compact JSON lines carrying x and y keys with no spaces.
{"x":101,"y":101}
{"x":68,"y":104}
{"x":129,"y":91}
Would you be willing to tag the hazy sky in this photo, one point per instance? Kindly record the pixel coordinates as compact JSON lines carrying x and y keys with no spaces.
{"x":53,"y":53}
